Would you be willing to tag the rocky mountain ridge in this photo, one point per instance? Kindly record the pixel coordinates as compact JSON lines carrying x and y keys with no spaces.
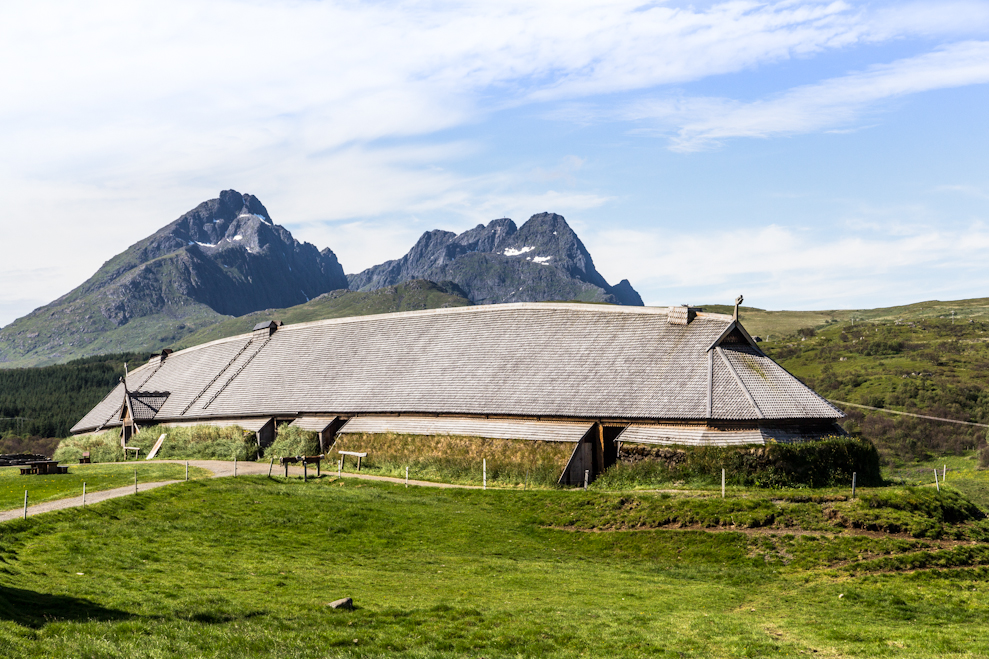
{"x":226,"y":259}
{"x":542,"y":260}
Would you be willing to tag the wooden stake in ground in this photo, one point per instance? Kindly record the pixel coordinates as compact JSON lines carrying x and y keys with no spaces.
{"x":484,"y":473}
{"x":587,"y":477}
{"x":270,"y":465}
{"x":25,"y":504}
{"x":853,"y":483}
{"x":936,"y":484}
{"x":406,"y":477}
{"x":944,"y":472}
{"x":187,"y":470}
{"x":722,"y":483}
{"x":135,"y":481}
{"x":84,"y":493}
{"x":235,"y":465}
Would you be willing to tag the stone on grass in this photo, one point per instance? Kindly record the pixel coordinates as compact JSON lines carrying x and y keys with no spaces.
{"x":345,"y":603}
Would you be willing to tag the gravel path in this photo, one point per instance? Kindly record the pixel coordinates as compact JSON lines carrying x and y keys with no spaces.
{"x":218,"y":468}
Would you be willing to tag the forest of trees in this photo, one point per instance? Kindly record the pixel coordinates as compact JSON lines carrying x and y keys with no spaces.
{"x":40,"y":403}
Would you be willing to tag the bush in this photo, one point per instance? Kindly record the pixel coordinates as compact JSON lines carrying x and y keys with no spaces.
{"x":824,"y":463}
{"x":185,"y":443}
{"x":292,"y":441}
{"x":104,"y":447}
{"x":13,"y":444}
{"x":457,"y":459}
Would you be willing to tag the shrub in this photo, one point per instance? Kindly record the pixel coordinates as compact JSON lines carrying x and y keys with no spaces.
{"x":458,"y":459}
{"x":184,"y":443}
{"x":292,"y":441}
{"x":823,"y":463}
{"x":29,"y":444}
{"x":104,"y":447}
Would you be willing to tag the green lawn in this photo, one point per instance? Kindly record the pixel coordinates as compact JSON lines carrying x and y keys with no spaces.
{"x":96,"y":476}
{"x":245,"y":567}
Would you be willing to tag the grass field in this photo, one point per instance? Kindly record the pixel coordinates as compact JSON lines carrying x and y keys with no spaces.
{"x":96,"y":476}
{"x":245,"y":567}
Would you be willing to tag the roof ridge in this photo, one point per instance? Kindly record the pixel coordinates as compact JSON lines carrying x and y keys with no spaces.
{"x":503,"y":307}
{"x":478,"y":308}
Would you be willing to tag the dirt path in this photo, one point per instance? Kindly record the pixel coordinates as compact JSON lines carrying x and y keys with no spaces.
{"x":218,"y":469}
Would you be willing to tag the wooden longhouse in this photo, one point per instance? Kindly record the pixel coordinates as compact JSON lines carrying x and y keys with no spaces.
{"x":591,"y":375}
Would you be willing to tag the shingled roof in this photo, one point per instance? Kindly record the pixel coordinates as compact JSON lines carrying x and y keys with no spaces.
{"x":542,"y":360}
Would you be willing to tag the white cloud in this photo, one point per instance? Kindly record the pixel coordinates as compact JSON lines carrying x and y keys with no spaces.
{"x":700,"y":123}
{"x":118,"y":117}
{"x":784,"y":267}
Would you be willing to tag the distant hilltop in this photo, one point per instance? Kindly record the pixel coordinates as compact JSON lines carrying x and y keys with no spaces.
{"x":227,"y":258}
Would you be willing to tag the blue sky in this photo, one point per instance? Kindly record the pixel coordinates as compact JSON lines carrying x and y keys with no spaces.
{"x":806,"y":154}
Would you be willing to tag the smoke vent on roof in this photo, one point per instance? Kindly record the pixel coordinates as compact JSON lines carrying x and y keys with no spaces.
{"x":680,"y":315}
{"x":265,"y":329}
{"x":160,"y":358}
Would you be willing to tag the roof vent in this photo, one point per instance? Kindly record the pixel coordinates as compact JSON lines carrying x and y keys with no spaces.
{"x":680,"y":315}
{"x":265,"y":329}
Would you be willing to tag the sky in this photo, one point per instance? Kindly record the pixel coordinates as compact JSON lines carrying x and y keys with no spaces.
{"x":809,"y":155}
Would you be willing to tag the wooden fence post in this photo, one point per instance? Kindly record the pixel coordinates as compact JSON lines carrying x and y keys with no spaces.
{"x":25,"y":504}
{"x":854,"y":474}
{"x":587,"y":476}
{"x":936,"y":484}
{"x":484,"y":473}
{"x":84,"y":493}
{"x":722,"y":483}
{"x":406,"y":477}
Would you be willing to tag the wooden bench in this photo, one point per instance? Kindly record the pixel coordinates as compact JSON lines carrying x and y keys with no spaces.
{"x":84,"y":460}
{"x":136,"y":449}
{"x":355,"y":454}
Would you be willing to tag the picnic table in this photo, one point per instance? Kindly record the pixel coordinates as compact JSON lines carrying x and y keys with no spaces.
{"x":43,"y":467}
{"x":305,"y":460}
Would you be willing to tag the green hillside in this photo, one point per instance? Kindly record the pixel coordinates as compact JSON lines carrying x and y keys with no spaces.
{"x":247,"y":567}
{"x":410,"y":296}
{"x":924,"y":365}
{"x":771,"y":324}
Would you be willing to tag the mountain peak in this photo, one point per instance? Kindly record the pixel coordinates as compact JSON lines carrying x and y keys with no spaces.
{"x":499,"y":262}
{"x":225,"y":257}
